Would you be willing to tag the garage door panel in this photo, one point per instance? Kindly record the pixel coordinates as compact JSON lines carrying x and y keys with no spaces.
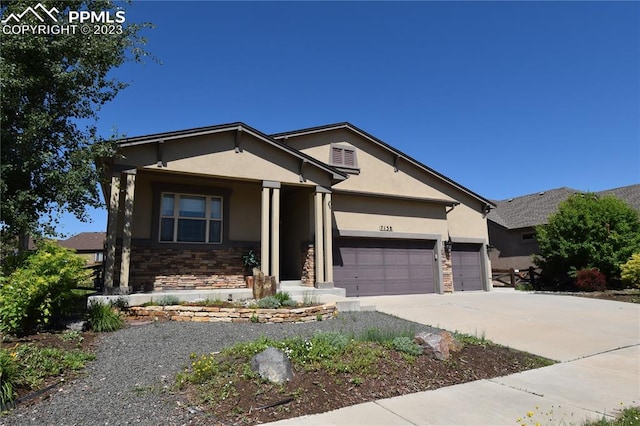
{"x":466,"y":266}
{"x":367,"y":267}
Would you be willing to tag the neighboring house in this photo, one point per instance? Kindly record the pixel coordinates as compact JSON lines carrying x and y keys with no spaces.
{"x":512,"y":224}
{"x":89,"y":245}
{"x":326,"y":206}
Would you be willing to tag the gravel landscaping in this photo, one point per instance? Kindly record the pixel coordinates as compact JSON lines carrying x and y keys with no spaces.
{"x":130,"y":382}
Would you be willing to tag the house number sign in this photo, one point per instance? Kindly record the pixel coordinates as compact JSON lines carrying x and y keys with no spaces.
{"x":387,"y":228}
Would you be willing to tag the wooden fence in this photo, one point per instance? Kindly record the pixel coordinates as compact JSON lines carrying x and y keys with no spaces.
{"x":512,"y":277}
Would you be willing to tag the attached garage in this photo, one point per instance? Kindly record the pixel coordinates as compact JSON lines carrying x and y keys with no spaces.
{"x":466,"y":264}
{"x":372,"y":267}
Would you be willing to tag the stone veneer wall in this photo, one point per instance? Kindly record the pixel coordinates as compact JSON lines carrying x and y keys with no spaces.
{"x":215,"y":314}
{"x":447,"y":272}
{"x":157,"y":269}
{"x":308,"y":275}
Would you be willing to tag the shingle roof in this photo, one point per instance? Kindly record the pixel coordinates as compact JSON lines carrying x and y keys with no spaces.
{"x":534,"y":209}
{"x":85,"y":241}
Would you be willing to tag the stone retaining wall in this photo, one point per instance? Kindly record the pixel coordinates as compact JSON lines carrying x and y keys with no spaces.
{"x":215,"y":314}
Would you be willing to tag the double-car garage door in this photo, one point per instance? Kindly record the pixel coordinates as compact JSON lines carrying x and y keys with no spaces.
{"x":371,"y":267}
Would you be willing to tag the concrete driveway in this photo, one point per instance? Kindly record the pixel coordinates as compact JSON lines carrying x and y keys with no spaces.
{"x":597,"y":343}
{"x":562,"y":328}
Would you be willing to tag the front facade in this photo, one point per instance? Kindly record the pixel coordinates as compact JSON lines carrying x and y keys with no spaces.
{"x":326,"y":206}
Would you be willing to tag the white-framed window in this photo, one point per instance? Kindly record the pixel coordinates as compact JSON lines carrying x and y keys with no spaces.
{"x":343,"y":156}
{"x":186,"y":218}
{"x":98,"y":257}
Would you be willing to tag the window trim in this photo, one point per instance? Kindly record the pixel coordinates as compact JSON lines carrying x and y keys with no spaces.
{"x":176,"y":217}
{"x":158,"y":188}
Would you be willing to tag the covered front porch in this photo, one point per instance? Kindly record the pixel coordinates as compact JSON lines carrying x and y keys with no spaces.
{"x":171,"y":232}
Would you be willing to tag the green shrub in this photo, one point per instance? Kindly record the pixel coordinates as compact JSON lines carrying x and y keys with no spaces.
{"x":407,"y":345}
{"x":631,"y":271}
{"x":8,"y":376}
{"x":120,"y":303}
{"x":168,"y":301}
{"x":282,"y":296}
{"x":40,"y":289}
{"x":290,"y":303}
{"x":269,"y":302}
{"x":103,"y":317}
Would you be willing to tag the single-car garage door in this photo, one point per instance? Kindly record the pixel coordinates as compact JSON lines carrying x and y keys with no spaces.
{"x":467,"y":270}
{"x":371,"y":267}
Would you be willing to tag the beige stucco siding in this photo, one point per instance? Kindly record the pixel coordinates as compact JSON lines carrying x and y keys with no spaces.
{"x":467,"y":220}
{"x":369,"y":214}
{"x":215,"y":155}
{"x":376,"y":166}
{"x":244,"y":203}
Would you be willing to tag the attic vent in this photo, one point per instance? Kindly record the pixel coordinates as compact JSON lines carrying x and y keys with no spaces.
{"x":542,"y":193}
{"x":343,"y":156}
{"x":509,"y":200}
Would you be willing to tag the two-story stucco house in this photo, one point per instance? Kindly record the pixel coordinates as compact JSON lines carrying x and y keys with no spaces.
{"x":326,"y":206}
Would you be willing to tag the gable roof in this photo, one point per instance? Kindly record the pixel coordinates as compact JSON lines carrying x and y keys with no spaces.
{"x":85,"y":241}
{"x":534,"y":209}
{"x":382,"y":144}
{"x":237,"y":126}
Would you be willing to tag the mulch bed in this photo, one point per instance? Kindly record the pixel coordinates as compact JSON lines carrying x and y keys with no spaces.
{"x":317,"y":392}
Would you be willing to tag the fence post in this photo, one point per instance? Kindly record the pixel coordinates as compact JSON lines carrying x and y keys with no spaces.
{"x":512,"y":276}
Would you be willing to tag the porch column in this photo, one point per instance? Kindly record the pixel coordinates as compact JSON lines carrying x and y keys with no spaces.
{"x":319,"y":237}
{"x":112,"y":225}
{"x":129,"y":191}
{"x":275,"y":233}
{"x":328,"y":240}
{"x":264,"y":236}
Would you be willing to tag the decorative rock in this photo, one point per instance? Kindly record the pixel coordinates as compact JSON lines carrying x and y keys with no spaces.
{"x":273,"y":365}
{"x":438,"y":345}
{"x":77,"y":326}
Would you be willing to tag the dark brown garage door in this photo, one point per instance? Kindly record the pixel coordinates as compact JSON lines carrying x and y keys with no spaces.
{"x":465,"y":261}
{"x":369,"y":267}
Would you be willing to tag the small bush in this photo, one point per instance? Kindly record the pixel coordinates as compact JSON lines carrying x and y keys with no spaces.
{"x":103,"y":317}
{"x":591,"y":280}
{"x":120,"y":303}
{"x":282,"y":296}
{"x":631,"y":271}
{"x":407,"y":345}
{"x":168,"y":301}
{"x":269,"y":302}
{"x":40,"y":289}
{"x":8,"y":376}
{"x":290,"y":303}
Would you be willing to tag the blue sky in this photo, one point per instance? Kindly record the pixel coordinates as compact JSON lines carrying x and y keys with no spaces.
{"x":505,"y":98}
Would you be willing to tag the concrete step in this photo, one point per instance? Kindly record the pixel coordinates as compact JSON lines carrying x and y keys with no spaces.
{"x":348,"y":305}
{"x":291,"y":283}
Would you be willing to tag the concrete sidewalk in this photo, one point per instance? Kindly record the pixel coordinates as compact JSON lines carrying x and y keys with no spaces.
{"x":597,"y":342}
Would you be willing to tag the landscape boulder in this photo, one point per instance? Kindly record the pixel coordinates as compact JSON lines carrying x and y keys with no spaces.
{"x":439,"y":345}
{"x":272,"y":364}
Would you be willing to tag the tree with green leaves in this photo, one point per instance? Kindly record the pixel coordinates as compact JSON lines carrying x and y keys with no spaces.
{"x":587,"y":232}
{"x":52,"y":87}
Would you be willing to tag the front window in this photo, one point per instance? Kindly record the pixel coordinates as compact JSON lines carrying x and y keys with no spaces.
{"x":191,"y":219}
